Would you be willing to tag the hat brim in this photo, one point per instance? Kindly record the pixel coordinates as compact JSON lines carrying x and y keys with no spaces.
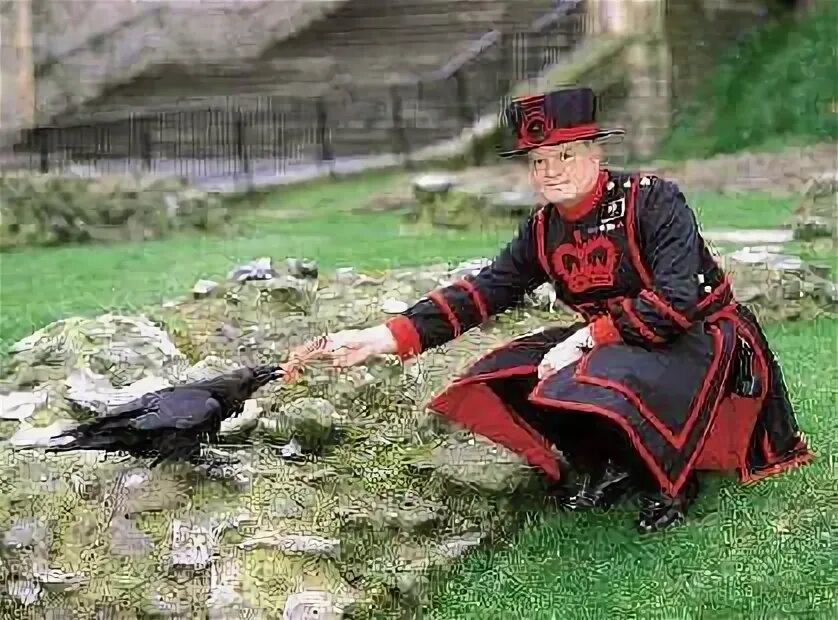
{"x":600,"y":136}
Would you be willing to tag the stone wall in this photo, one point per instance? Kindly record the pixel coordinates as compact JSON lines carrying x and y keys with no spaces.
{"x":17,"y":87}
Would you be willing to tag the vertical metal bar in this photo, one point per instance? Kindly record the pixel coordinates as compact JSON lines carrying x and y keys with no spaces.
{"x":400,"y":143}
{"x":463,"y":108}
{"x":43,"y":145}
{"x":241,"y":155}
{"x":132,"y":128}
{"x":323,"y":141}
{"x":145,"y":143}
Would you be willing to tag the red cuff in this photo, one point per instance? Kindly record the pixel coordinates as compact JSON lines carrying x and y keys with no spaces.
{"x":604,"y":331}
{"x":406,"y":336}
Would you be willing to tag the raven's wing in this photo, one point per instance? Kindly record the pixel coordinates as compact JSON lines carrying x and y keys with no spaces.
{"x":131,"y":409}
{"x":178,"y":410}
{"x":119,"y":417}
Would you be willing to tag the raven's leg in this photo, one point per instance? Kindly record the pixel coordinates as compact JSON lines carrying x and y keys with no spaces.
{"x":158,"y":460}
{"x":166,"y":452}
{"x":211,"y":458}
{"x":168,"y":448}
{"x":219,"y":456}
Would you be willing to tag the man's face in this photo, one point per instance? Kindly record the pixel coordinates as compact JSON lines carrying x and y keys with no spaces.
{"x":564,"y":173}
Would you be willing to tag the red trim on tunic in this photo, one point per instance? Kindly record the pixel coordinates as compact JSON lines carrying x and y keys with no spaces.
{"x":742,"y":329}
{"x":726,"y":448}
{"x":677,"y":440}
{"x":639,"y":325}
{"x":585,"y":204}
{"x":639,"y":264}
{"x":665,"y":308}
{"x":668,"y":486}
{"x":440,"y":301}
{"x":603,"y":331}
{"x":631,"y":237}
{"x":776,"y":462}
{"x":649,"y":294}
{"x":539,"y":242}
{"x":657,"y":472}
{"x":722,"y":289}
{"x":476,"y":407}
{"x":476,"y":297}
{"x":406,"y":336}
{"x":776,"y":468}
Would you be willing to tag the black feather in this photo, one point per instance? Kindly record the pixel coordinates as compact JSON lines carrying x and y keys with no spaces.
{"x":170,"y":423}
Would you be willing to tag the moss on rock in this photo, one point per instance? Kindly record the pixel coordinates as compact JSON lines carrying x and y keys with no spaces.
{"x":46,"y":210}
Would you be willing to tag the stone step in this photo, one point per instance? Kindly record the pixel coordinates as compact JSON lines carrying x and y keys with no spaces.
{"x":753,"y":236}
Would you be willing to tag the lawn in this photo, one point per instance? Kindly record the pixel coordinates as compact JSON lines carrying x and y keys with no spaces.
{"x":766,"y":551}
{"x":38,"y":286}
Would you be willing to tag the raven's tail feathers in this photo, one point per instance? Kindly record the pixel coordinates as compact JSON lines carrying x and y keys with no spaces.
{"x":80,"y":441}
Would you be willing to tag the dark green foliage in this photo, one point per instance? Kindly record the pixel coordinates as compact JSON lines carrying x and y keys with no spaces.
{"x":775,"y":88}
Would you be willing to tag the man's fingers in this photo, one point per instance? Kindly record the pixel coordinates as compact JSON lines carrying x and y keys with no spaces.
{"x":308,"y":351}
{"x":350,"y":357}
{"x":544,"y":370}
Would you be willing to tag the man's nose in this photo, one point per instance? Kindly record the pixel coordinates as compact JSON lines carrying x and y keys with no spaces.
{"x":553,"y":168}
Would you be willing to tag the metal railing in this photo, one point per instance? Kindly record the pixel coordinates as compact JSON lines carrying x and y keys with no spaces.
{"x":269,"y":135}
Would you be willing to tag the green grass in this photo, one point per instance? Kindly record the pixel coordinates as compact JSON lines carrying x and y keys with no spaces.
{"x":41,"y":285}
{"x":751,"y":210}
{"x":764,"y":551}
{"x":776,"y":88}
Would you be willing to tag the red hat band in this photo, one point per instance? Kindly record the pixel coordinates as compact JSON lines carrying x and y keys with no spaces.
{"x":538,"y":131}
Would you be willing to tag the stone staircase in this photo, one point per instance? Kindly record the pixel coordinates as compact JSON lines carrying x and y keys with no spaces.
{"x":448,"y":64}
{"x":115,"y":42}
{"x":363,"y":44}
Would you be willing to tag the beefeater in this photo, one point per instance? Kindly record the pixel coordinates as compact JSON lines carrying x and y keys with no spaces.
{"x":666,"y":374}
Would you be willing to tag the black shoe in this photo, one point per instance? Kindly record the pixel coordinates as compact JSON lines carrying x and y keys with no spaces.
{"x":602,"y":491}
{"x":659,"y":511}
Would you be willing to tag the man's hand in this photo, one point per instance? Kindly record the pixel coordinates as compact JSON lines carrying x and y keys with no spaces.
{"x":355,"y":346}
{"x":565,"y":353}
{"x":345,"y":348}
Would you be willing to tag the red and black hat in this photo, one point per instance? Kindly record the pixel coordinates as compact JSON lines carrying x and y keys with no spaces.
{"x":553,"y":118}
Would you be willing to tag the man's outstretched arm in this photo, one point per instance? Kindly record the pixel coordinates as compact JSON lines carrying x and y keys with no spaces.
{"x":446,"y":313}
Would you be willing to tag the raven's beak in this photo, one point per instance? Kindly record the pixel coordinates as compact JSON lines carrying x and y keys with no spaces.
{"x":265,"y":374}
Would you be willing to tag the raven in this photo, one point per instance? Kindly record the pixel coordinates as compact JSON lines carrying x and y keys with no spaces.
{"x":170,"y":423}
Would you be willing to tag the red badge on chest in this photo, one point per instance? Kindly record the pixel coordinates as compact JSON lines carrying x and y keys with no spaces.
{"x":584,"y":265}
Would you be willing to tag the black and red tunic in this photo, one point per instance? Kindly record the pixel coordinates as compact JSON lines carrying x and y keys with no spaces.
{"x":678,"y":364}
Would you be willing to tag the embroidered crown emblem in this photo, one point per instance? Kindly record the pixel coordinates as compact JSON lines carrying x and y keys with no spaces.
{"x":586,"y":264}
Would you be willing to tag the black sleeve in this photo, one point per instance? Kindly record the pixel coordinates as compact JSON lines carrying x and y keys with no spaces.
{"x":671,"y":249}
{"x":446,"y":313}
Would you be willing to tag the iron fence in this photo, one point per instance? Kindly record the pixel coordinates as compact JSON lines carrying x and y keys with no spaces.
{"x":269,"y":134}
